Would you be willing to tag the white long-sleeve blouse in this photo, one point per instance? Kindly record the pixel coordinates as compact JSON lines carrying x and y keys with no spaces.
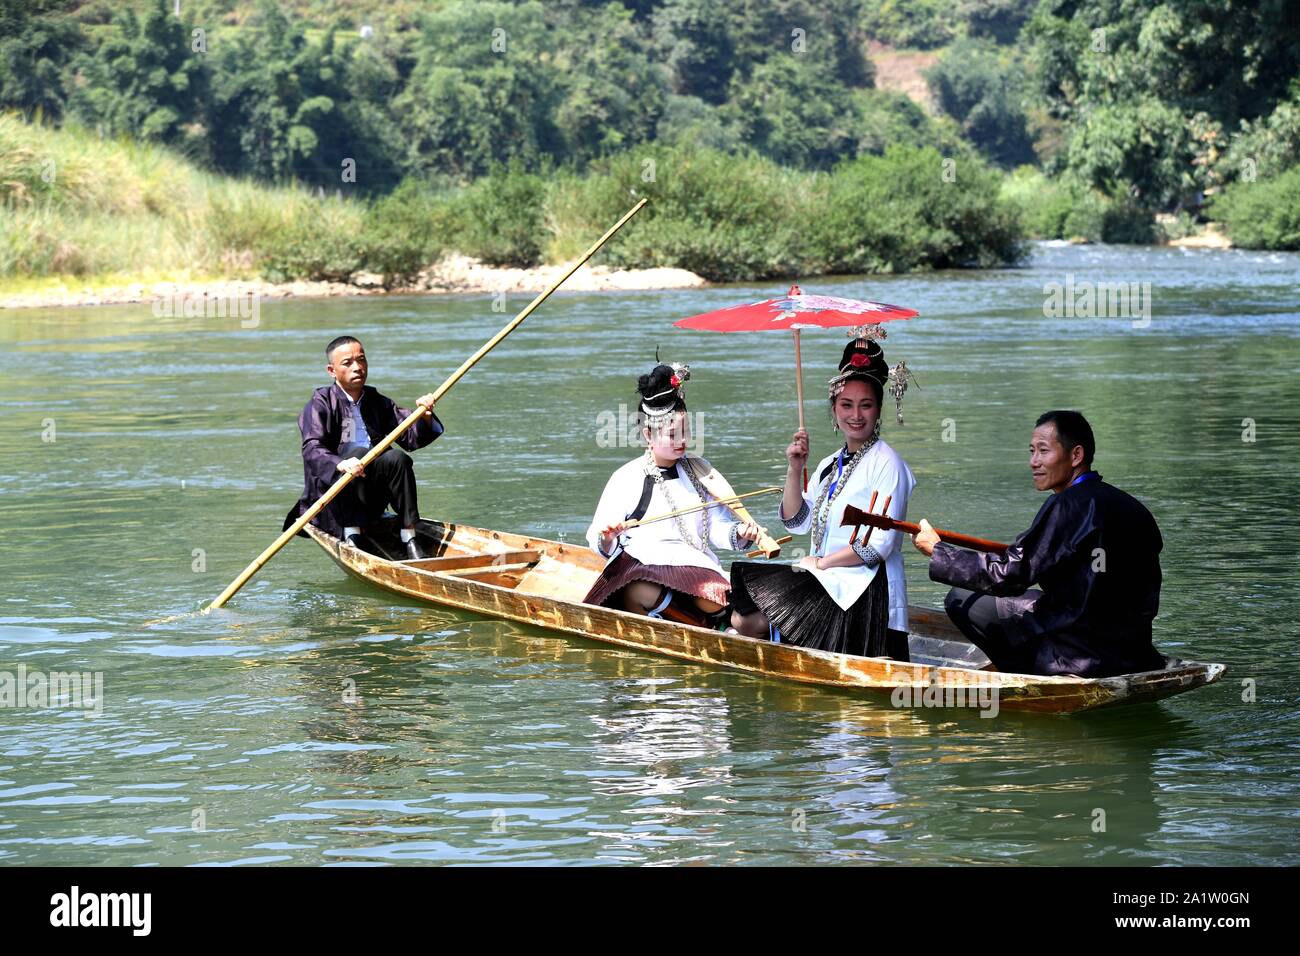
{"x":660,"y":542}
{"x":881,"y":470}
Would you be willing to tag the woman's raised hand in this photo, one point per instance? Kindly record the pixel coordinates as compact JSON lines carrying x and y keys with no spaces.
{"x":796,"y":453}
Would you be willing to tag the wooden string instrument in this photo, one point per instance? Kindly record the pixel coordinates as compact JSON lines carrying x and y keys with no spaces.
{"x":721,"y":489}
{"x":857,"y":517}
{"x":700,"y":507}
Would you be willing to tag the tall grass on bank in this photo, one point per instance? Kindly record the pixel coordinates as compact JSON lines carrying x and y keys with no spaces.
{"x":73,"y":204}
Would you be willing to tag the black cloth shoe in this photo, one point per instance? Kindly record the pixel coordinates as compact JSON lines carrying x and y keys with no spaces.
{"x":355,"y":541}
{"x":413,"y":550}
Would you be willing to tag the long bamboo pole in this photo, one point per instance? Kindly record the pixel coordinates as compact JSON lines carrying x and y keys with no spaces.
{"x":411,"y":419}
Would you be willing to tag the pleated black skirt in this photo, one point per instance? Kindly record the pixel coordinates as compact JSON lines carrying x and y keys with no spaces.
{"x":799,"y":607}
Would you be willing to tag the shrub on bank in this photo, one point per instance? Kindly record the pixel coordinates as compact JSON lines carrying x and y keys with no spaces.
{"x":73,"y":203}
{"x":898,"y":212}
{"x":1067,"y":208}
{"x":732,"y":218}
{"x":722,"y":216}
{"x":322,"y":242}
{"x":1128,"y":221}
{"x":1263,"y":214}
{"x":500,"y":218}
{"x":405,"y":231}
{"x":284,"y":233}
{"x":1054,"y":208}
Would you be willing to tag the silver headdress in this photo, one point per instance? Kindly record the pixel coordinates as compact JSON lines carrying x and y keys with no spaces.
{"x":900,"y":376}
{"x":863,"y":358}
{"x":658,"y":408}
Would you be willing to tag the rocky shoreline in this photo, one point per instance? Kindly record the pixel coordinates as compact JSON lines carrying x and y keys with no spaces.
{"x":455,"y":274}
{"x":452,"y":275}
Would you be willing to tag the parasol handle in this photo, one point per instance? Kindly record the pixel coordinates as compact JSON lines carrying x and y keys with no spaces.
{"x":798,"y":386}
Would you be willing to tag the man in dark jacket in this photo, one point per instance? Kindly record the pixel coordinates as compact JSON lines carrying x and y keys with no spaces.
{"x":1092,"y":549}
{"x":339,"y":425}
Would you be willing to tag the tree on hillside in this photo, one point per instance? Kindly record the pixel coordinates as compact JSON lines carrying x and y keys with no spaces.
{"x":922,"y":24}
{"x":373,"y":78}
{"x":998,"y":20}
{"x":888,"y":118}
{"x":485,"y":88}
{"x":984,"y":92}
{"x":1148,"y":91}
{"x":694,"y":43}
{"x":36,"y":41}
{"x":613,"y":95}
{"x":792,"y":110}
{"x":279,"y":107}
{"x":769,"y":30}
{"x":1268,"y":145}
{"x":143,"y":79}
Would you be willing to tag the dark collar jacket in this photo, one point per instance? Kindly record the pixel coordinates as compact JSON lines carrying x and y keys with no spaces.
{"x":1094,"y":551}
{"x":325,"y":423}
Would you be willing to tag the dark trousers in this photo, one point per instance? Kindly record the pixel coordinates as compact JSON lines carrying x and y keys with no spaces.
{"x":389,"y":480}
{"x":989,"y":623}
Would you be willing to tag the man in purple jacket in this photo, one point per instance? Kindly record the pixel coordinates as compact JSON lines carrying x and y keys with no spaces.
{"x":1093,"y":551}
{"x":339,"y":425}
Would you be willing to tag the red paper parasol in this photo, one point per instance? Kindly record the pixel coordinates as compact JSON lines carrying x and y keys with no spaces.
{"x":798,"y":311}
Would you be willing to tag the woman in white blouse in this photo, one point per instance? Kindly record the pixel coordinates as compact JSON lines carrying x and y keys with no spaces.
{"x":664,"y":568}
{"x":847,"y":597}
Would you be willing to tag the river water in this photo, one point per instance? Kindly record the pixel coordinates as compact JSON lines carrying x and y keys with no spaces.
{"x":319,"y":721}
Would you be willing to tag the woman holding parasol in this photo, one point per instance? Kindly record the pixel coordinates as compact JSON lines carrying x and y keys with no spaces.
{"x":849,"y":596}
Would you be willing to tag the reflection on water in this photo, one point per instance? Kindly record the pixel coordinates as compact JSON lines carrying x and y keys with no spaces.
{"x":319,"y":721}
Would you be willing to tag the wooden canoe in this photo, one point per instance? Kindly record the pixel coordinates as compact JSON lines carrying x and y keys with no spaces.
{"x":542,"y":583}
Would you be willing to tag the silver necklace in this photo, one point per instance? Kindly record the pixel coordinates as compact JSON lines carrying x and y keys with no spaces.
{"x":652,"y":469}
{"x":822,"y":509}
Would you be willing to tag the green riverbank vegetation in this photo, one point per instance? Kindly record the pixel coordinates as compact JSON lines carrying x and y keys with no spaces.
{"x":74,"y":204}
{"x":316,"y":139}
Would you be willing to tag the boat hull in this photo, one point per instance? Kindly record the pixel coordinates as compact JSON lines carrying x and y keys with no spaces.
{"x":540,"y":582}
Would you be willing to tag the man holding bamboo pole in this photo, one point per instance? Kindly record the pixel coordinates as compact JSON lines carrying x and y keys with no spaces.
{"x":424,"y":410}
{"x":1092,"y":549}
{"x":339,"y":425}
